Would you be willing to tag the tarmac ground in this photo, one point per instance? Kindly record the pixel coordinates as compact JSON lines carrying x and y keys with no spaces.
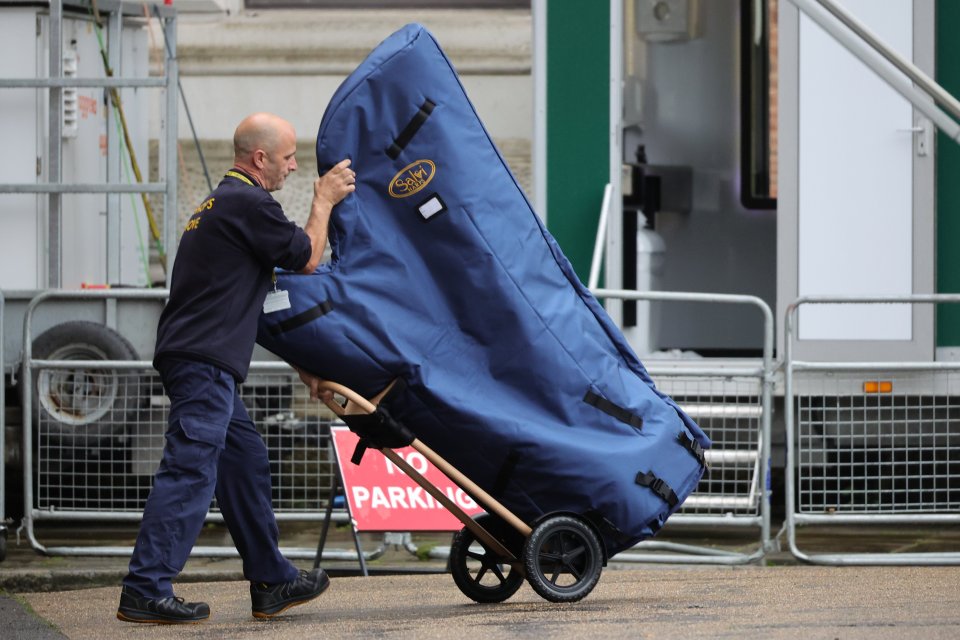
{"x":655,"y":602}
{"x":410,"y":595}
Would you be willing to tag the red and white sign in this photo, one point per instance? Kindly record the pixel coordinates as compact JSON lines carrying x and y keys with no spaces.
{"x":383,"y":498}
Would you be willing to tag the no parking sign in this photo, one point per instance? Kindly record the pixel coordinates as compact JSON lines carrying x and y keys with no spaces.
{"x":383,"y":498}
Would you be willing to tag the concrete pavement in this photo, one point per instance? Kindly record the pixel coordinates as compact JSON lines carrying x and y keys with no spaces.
{"x":409,"y":596}
{"x":640,"y":602}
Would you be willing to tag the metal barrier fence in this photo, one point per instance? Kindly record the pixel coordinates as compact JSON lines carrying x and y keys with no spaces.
{"x":734,"y":405}
{"x":100,"y":467}
{"x":871,"y":443}
{"x":105,"y":474}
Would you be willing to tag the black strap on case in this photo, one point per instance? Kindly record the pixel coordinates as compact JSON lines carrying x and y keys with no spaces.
{"x":301,"y":318}
{"x":505,"y":473}
{"x":659,"y":487}
{"x":611,"y":409}
{"x":401,"y":141}
{"x":693,"y":447}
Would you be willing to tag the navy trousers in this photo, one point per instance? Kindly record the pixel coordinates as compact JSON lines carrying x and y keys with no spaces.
{"x":212,"y":448}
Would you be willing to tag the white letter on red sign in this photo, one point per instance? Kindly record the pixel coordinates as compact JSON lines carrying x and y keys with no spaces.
{"x":416,"y":460}
{"x":398,"y":499}
{"x":360,"y":495}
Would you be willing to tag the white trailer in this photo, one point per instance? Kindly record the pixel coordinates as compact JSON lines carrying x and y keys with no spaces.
{"x":786,"y":150}
{"x":77,"y":94}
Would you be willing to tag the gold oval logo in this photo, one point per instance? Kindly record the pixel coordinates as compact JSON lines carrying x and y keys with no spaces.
{"x":412,"y":178}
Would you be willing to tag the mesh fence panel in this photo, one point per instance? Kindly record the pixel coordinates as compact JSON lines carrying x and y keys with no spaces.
{"x":885,"y":453}
{"x":729,"y":410}
{"x":100,"y":439}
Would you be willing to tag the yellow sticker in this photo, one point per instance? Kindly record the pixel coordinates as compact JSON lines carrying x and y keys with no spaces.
{"x":412,"y":178}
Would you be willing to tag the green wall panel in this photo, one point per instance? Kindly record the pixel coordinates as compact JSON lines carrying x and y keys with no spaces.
{"x":578,"y":59}
{"x":948,"y":178}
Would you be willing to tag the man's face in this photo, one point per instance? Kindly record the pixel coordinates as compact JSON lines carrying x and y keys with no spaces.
{"x":280,"y":161}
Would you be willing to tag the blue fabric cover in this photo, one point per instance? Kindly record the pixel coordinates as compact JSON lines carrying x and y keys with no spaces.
{"x":476,"y":308}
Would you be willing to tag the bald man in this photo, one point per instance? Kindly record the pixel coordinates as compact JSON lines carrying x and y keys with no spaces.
{"x":222,"y":278}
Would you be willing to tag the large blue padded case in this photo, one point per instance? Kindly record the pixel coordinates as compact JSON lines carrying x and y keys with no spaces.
{"x":442,"y":275}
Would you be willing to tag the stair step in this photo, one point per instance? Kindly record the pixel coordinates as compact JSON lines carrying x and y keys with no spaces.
{"x":721,"y":502}
{"x":731,"y":456}
{"x":704,"y":410}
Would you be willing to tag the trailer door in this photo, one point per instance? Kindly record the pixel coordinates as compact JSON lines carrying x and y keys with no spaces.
{"x":856,"y":189}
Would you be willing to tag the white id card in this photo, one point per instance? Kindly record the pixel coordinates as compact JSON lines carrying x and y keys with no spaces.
{"x":276,"y":301}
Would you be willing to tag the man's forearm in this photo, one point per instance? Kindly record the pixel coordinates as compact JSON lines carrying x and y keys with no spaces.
{"x":316,"y":230}
{"x":328,"y":190}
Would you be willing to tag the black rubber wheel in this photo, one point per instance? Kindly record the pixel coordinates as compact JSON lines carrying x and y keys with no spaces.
{"x":481,"y":574}
{"x":563,"y":558}
{"x":3,"y":544}
{"x":79,"y":408}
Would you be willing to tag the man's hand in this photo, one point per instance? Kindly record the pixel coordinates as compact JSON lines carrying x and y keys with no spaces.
{"x":313,"y":383}
{"x":328,"y":190}
{"x":334,"y":185}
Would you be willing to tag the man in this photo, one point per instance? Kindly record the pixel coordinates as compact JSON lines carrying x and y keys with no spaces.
{"x":221,"y":280}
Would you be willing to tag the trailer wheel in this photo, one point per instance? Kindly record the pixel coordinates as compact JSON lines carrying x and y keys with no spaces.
{"x":82,"y":407}
{"x":563,"y":558}
{"x":481,"y":574}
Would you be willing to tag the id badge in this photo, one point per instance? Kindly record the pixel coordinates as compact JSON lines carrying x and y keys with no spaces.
{"x":276,"y":301}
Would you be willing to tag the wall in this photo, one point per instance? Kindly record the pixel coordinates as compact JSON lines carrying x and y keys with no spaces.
{"x":291,"y":61}
{"x":948,"y":187}
{"x":577,"y":151}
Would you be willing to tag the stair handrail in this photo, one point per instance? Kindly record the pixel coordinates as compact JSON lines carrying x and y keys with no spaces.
{"x":866,"y":46}
{"x":601,"y":238}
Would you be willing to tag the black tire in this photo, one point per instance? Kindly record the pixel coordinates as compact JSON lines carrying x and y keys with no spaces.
{"x":482,"y":575}
{"x":563,"y":559}
{"x":3,"y":544}
{"x":86,"y":407}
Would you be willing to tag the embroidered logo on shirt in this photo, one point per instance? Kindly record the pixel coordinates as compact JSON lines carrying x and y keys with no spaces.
{"x":412,"y":178}
{"x":194,"y":221}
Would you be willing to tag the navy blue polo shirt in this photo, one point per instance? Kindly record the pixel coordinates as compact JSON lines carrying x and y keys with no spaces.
{"x":222,"y":273}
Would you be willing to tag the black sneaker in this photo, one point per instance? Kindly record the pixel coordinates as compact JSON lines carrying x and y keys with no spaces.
{"x":271,"y":600}
{"x":171,"y":610}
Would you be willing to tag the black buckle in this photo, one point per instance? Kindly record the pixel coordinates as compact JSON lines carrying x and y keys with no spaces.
{"x":657,"y":486}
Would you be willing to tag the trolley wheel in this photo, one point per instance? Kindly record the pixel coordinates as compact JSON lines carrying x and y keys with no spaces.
{"x":481,"y":574}
{"x":563,"y":559}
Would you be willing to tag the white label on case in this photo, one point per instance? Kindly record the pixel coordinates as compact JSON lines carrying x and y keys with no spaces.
{"x":431,"y":207}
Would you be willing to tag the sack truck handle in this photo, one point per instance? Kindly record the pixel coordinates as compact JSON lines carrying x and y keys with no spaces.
{"x":486,"y":500}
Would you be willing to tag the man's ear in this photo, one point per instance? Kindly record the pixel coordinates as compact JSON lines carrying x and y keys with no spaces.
{"x":259,"y":158}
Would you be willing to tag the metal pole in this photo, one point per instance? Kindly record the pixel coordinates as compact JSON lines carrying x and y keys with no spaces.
{"x":54,"y":141}
{"x":114,"y":175}
{"x":791,"y":444}
{"x":538,"y":9}
{"x":766,"y":427}
{"x":142,"y":187}
{"x":80,"y":83}
{"x":171,"y":131}
{"x":601,"y":238}
{"x":614,"y":259}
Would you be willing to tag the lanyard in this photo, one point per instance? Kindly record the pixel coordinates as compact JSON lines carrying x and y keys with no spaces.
{"x":240,"y":176}
{"x":243,"y":178}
